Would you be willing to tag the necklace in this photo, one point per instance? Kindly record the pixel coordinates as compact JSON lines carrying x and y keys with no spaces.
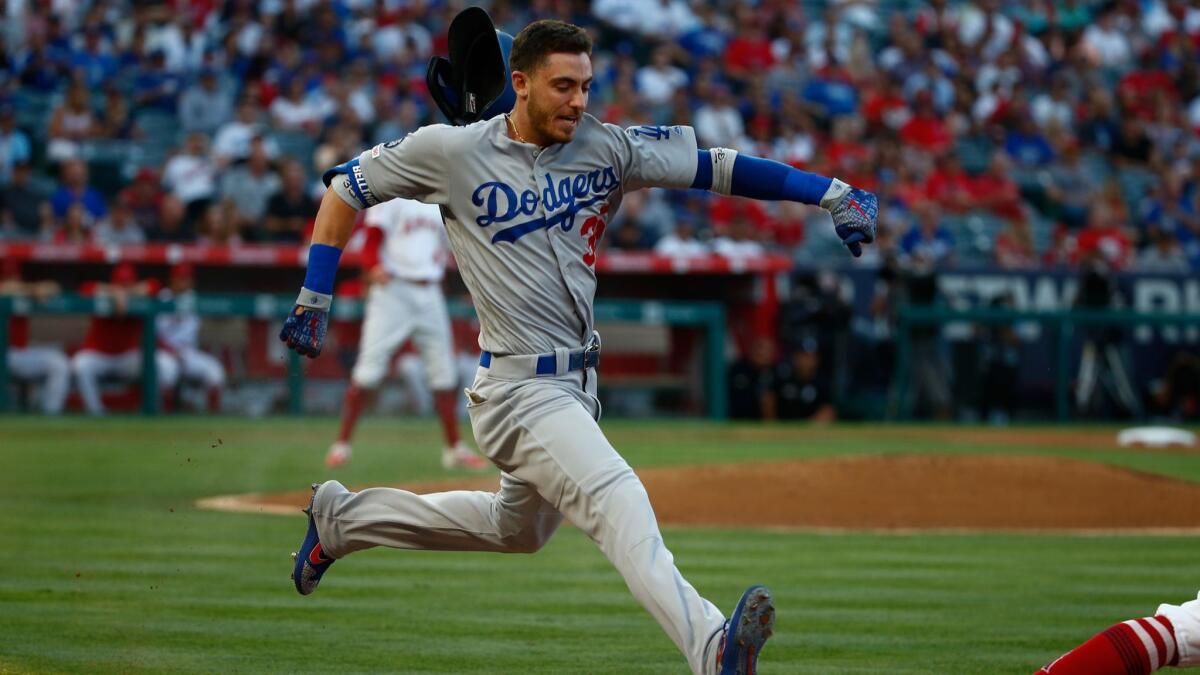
{"x":514,"y":128}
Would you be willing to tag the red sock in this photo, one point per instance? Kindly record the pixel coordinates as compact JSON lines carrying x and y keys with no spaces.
{"x":1134,"y":647}
{"x":447,"y":411}
{"x":214,"y":400}
{"x":352,"y":406}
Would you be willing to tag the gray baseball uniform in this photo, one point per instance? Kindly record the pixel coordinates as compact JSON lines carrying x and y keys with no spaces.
{"x":524,"y":224}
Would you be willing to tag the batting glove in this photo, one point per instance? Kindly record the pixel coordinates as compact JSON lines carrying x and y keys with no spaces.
{"x":305,"y":327}
{"x":854,"y":214}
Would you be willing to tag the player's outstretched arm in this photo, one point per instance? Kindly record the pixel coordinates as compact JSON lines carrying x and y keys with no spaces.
{"x":305,"y":327}
{"x":854,"y":210}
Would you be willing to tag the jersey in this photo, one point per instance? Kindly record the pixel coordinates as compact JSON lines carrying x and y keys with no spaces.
{"x":524,"y":223}
{"x":414,"y":243}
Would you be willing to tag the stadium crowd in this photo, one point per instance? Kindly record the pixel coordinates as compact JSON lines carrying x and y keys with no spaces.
{"x":1021,"y":134}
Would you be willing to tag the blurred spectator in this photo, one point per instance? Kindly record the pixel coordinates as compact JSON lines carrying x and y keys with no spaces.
{"x":752,"y":383}
{"x":629,"y":236}
{"x":950,"y":186}
{"x":658,"y":81}
{"x":71,"y":123}
{"x":171,"y":225}
{"x":1101,"y":362}
{"x":1000,"y":359}
{"x":74,"y":227}
{"x":117,"y":123}
{"x":143,"y":197}
{"x":94,"y":59}
{"x":995,"y":190}
{"x":205,"y":106}
{"x":112,"y":345}
{"x":25,"y":211}
{"x":926,"y":130}
{"x":681,"y":242}
{"x":191,"y":175}
{"x":741,"y":240}
{"x":14,"y":145}
{"x":403,"y":118}
{"x":718,"y":122}
{"x":295,"y":110}
{"x":119,"y":228}
{"x":928,"y":238}
{"x":156,"y":87}
{"x":232,"y":142}
{"x":41,"y":363}
{"x":801,"y":393}
{"x":1027,"y":145}
{"x":74,"y":190}
{"x":1105,"y":238}
{"x":1014,"y":246}
{"x":749,"y":53}
{"x":1105,"y":44}
{"x":217,"y":226}
{"x":249,"y":187}
{"x":930,"y":374}
{"x":290,"y":209}
{"x":1132,"y":145}
{"x":1069,"y":188}
{"x":179,"y":335}
{"x":1177,"y":396}
{"x":1163,"y":254}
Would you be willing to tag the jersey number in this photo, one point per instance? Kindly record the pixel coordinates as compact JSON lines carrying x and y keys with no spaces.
{"x":593,"y":229}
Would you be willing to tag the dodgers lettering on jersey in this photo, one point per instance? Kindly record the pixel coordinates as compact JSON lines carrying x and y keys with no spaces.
{"x":414,"y":243}
{"x":524,"y":223}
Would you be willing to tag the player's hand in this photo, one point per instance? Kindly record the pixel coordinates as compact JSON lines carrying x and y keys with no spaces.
{"x":854,"y":214}
{"x":378,"y":275}
{"x":305,"y":327}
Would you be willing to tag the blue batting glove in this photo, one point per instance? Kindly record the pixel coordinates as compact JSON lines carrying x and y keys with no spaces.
{"x":854,"y":212}
{"x":305,"y":327}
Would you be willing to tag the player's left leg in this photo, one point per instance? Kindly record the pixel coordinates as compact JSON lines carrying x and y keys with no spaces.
{"x":50,"y":366}
{"x":206,"y":369}
{"x":435,"y":343}
{"x":1169,"y":638}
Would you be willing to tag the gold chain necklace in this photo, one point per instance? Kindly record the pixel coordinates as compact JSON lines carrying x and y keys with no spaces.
{"x":514,"y":128}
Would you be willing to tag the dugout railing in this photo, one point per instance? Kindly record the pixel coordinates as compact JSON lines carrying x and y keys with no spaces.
{"x":1063,"y":332}
{"x":709,"y":317}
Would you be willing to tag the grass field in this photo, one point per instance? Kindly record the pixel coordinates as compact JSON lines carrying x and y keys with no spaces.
{"x":109,"y":567}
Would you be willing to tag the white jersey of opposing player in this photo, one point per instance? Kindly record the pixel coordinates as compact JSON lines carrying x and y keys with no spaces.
{"x":414,"y":244}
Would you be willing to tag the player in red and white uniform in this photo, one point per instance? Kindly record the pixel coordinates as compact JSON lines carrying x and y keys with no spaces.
{"x":48,"y":364}
{"x":179,"y":334}
{"x":112,"y":345}
{"x":404,"y":260}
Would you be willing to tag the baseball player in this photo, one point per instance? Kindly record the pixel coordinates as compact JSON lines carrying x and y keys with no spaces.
{"x":25,"y":362}
{"x":112,"y":344}
{"x":1138,"y":646}
{"x":179,"y":335}
{"x":404,"y":259}
{"x":526,"y":197}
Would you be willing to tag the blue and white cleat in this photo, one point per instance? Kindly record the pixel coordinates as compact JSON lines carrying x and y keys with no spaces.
{"x":752,"y":622}
{"x":311,"y":561}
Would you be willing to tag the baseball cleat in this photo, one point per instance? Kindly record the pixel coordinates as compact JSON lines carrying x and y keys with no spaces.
{"x":339,"y":454}
{"x":310,"y":562}
{"x":752,"y":622}
{"x":462,"y":457}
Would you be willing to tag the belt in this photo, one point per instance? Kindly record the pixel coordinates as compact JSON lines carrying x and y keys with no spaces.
{"x":558,"y":362}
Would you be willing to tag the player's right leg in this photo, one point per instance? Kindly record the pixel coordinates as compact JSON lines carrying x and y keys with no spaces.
{"x":1169,"y":638}
{"x":545,"y":432}
{"x":89,"y":366}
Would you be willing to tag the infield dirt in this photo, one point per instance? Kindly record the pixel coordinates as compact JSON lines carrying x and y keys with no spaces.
{"x":895,"y":492}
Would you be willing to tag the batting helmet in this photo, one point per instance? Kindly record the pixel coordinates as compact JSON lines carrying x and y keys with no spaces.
{"x":475,"y":83}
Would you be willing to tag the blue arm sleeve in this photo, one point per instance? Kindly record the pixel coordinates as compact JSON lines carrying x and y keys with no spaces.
{"x":759,"y":178}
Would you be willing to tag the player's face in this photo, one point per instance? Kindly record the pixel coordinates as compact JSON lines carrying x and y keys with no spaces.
{"x":557,"y":92}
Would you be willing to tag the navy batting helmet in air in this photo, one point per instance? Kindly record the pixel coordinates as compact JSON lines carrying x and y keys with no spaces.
{"x":474,"y":84}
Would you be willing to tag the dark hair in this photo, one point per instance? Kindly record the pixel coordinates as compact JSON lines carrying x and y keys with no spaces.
{"x":541,"y":38}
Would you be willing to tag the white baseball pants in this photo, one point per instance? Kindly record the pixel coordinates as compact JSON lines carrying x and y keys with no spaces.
{"x":396,"y":311}
{"x":48,"y":365}
{"x":89,"y":366}
{"x":542,"y":433}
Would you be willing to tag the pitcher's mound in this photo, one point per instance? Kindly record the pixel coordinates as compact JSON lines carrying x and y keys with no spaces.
{"x":889,"y":492}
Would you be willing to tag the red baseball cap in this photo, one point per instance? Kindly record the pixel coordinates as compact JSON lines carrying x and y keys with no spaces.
{"x":183,"y":271}
{"x":124,"y":274}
